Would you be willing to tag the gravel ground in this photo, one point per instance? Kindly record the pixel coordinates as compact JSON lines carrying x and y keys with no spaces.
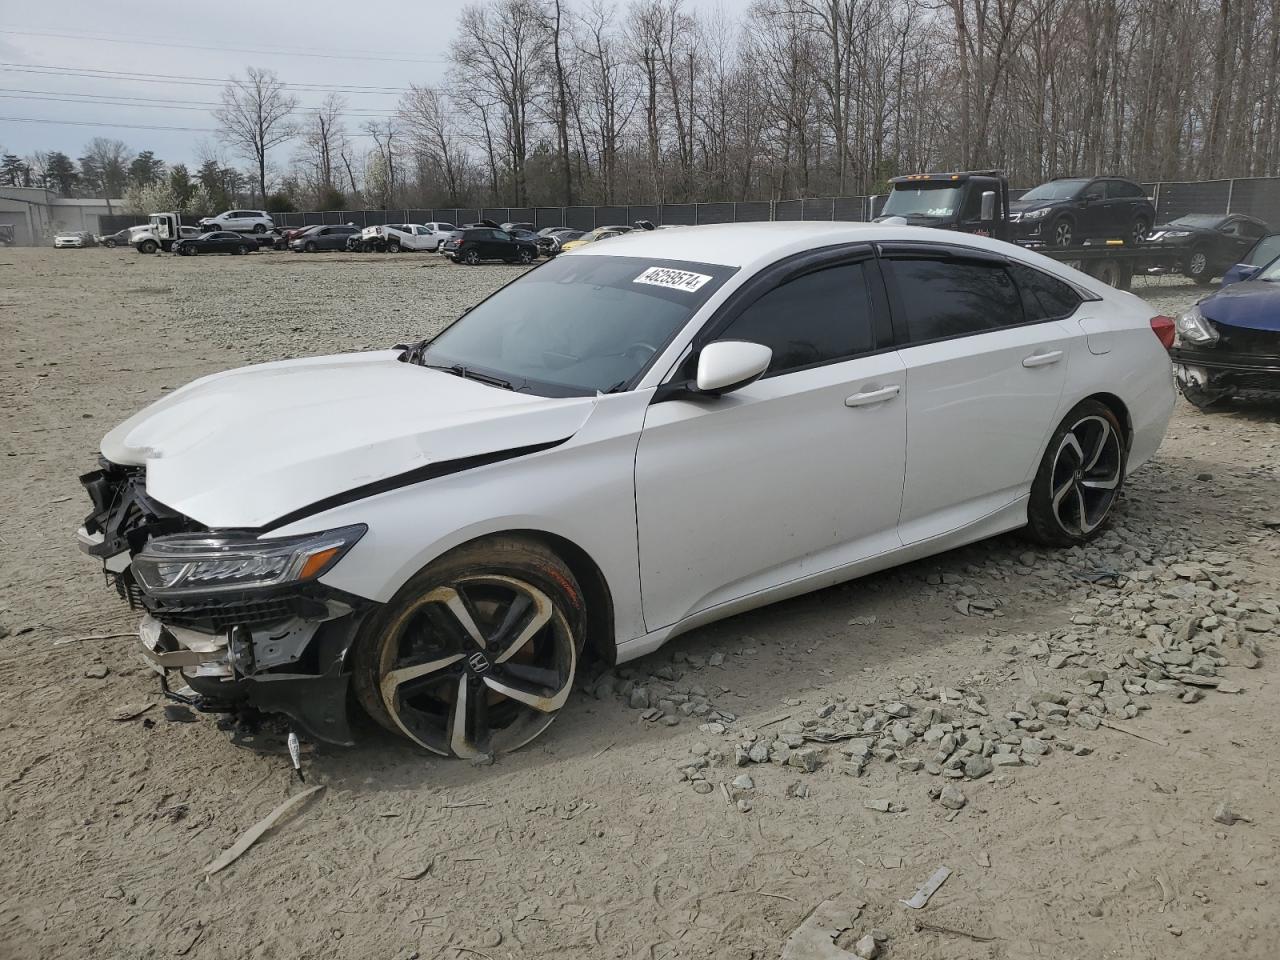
{"x":1086,"y":739}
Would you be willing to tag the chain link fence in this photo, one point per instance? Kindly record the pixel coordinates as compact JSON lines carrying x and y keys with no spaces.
{"x":1258,"y":197}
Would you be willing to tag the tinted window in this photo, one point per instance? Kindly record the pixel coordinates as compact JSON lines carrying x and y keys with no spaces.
{"x":500,"y":235}
{"x":445,"y":226}
{"x":1044,"y":297}
{"x":952,"y":298}
{"x":815,"y":318}
{"x":1266,"y":251}
{"x":1252,"y":230}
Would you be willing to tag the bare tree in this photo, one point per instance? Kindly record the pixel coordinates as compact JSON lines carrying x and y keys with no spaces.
{"x":324,"y":138}
{"x":256,"y":115}
{"x":426,"y":115}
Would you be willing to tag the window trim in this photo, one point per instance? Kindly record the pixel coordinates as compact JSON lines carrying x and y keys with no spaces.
{"x":890,"y":251}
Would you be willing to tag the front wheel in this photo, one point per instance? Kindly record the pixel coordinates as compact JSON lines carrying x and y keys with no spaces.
{"x":1198,"y":268}
{"x":525,"y":256}
{"x":477,"y":653}
{"x":1138,"y":232}
{"x":310,"y":246}
{"x":148,"y":246}
{"x":108,"y":244}
{"x":393,"y":246}
{"x":1080,"y":477}
{"x":1063,"y":233}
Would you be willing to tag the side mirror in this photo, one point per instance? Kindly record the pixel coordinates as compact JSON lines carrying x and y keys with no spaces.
{"x":728,"y":365}
{"x":988,"y":210}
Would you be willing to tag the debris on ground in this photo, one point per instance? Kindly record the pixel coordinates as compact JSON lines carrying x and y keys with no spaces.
{"x":252,"y":835}
{"x":928,"y":889}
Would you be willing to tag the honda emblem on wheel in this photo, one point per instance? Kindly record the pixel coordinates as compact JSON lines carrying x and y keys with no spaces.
{"x":479,"y":662}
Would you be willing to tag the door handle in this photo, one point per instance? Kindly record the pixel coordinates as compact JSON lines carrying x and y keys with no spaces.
{"x":869,"y":397}
{"x":1042,"y":359}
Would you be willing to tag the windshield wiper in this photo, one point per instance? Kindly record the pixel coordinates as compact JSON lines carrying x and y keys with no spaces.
{"x":458,"y":370}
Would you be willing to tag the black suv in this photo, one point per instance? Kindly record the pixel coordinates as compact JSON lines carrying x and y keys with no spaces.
{"x":473,"y":244}
{"x":1070,"y":210}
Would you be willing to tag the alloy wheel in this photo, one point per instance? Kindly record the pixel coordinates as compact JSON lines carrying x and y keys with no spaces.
{"x":1198,"y":263}
{"x":1139,"y":230}
{"x":1086,"y":475}
{"x":478,"y":666}
{"x":1062,"y":233}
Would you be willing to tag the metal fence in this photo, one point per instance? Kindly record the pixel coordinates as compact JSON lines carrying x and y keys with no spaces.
{"x":1258,"y":197}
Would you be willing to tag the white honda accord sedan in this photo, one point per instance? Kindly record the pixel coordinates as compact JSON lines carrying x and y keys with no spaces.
{"x":628,"y":441}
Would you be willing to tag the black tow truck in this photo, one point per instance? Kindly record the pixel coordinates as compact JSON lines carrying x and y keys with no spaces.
{"x":977,"y":201}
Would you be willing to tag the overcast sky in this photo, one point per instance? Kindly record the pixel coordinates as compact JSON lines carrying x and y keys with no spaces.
{"x":188,"y":50}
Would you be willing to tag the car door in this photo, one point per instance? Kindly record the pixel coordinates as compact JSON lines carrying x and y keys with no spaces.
{"x":501,"y":246}
{"x":795,"y":474}
{"x":983,"y":385}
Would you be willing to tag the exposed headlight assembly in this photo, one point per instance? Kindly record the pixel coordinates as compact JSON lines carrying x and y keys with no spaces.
{"x":1194,"y":328}
{"x":201,"y":563}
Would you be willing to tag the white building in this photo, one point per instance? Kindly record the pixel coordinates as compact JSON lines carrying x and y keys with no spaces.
{"x":36,"y":213}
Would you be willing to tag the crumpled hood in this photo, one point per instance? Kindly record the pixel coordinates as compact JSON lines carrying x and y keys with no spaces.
{"x":245,"y":447}
{"x":1253,"y":304}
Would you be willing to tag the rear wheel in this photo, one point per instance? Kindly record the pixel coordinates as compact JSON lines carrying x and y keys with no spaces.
{"x":259,"y":228}
{"x":471,"y":257}
{"x":1080,"y":477}
{"x":477,"y":653}
{"x":1138,"y":232}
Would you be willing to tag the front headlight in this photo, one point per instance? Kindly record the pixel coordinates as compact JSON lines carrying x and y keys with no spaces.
{"x":188,"y":563}
{"x":1192,"y":327}
{"x":1036,"y":214}
{"x":1176,"y":234}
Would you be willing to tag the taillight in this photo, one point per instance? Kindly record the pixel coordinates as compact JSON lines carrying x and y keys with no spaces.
{"x":1164,"y":329}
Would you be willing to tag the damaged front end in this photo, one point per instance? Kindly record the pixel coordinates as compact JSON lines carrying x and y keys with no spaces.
{"x":233,"y":619}
{"x":1213,"y":360}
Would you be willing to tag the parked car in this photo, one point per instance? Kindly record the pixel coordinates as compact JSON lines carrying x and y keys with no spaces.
{"x":240,"y":221}
{"x":549,"y":244}
{"x":1212,"y":242}
{"x":474,"y":244}
{"x":1070,"y":210}
{"x":513,"y":227}
{"x":323,"y":238}
{"x":599,"y":233}
{"x":444,"y":530}
{"x":1259,"y":255}
{"x":1228,"y":344}
{"x":287,"y":236}
{"x":215,"y":241}
{"x":118,"y":239}
{"x":394,"y":237}
{"x":67,"y":239}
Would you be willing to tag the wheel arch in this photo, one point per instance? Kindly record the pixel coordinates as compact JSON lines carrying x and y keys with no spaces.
{"x":1120,"y":409}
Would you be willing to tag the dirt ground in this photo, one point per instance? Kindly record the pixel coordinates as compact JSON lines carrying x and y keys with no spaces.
{"x":596,"y":841}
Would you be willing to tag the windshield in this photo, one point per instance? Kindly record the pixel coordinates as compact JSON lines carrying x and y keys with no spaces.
{"x":921,"y":201}
{"x":1197,"y":221}
{"x":576,"y":326}
{"x":1271,"y":272}
{"x":1057,"y":190}
{"x":1266,"y":250}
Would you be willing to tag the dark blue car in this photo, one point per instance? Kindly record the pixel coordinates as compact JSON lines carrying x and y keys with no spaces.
{"x":1228,"y":345}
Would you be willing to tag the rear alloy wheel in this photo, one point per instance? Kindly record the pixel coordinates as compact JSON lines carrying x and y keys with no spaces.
{"x":1063,"y":233}
{"x":477,"y":653}
{"x":1138,"y":232}
{"x":242,"y":250}
{"x":471,"y":257}
{"x":1079,"y":478}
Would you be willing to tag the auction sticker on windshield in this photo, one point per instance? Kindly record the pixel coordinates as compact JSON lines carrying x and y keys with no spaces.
{"x":672,"y":279}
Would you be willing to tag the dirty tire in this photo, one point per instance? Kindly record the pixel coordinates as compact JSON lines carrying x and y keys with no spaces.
{"x":420,"y":671}
{"x":148,"y":246}
{"x":1080,"y":477}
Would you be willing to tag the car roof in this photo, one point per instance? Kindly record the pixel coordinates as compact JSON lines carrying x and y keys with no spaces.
{"x":755,"y":245}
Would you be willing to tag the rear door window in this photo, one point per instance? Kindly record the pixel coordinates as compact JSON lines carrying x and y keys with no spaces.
{"x":946,"y":298}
